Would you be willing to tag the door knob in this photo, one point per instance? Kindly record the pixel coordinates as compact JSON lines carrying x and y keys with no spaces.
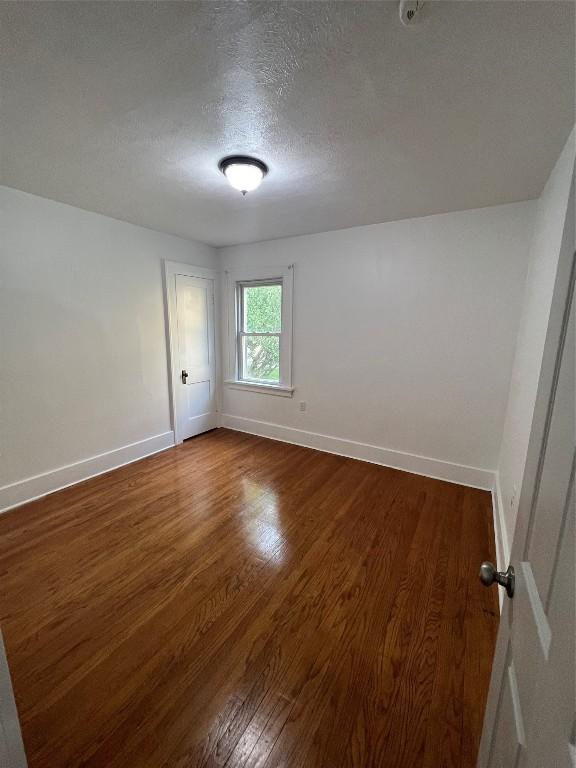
{"x":184,"y":376}
{"x":489,"y":575}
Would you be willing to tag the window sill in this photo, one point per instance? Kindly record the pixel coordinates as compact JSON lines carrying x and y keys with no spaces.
{"x":268,"y":389}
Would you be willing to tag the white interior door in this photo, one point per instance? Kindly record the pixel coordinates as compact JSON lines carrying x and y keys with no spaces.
{"x":196,"y":367}
{"x":11,"y":747}
{"x":530,"y":718}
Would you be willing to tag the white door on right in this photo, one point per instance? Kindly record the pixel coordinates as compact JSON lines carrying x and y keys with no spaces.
{"x":530,"y":718}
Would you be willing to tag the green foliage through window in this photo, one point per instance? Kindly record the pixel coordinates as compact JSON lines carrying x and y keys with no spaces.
{"x":262,"y":358}
{"x":262,"y":308}
{"x":262,"y":313}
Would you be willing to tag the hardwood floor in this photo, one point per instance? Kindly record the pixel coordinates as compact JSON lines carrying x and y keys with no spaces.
{"x":242,"y":602}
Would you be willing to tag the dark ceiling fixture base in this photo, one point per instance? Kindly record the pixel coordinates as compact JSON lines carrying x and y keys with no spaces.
{"x":242,"y":160}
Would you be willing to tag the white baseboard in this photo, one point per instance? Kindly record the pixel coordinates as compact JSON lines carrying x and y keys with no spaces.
{"x":31,"y":488}
{"x":419,"y":465}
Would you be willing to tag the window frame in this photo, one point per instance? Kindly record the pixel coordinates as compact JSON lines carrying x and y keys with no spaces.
{"x":237,"y":280}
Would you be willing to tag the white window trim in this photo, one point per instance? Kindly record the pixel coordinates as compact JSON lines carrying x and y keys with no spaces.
{"x":246,"y":275}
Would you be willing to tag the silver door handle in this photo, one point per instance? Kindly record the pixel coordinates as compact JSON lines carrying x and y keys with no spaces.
{"x":184,"y":376}
{"x":489,"y":575}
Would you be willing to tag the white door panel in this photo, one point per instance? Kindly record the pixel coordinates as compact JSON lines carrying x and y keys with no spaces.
{"x":12,"y":753}
{"x":509,"y":738}
{"x":530,"y":717}
{"x":555,"y":473}
{"x":196,"y":385}
{"x":555,"y":686}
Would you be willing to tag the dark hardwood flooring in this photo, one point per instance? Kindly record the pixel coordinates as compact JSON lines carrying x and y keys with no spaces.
{"x":242,"y":602}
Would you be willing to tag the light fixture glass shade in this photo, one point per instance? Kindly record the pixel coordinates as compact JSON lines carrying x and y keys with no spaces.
{"x":244,"y":177}
{"x":243,"y":173}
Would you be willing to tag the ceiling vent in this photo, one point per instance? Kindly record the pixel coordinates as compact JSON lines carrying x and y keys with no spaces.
{"x":409,"y":10}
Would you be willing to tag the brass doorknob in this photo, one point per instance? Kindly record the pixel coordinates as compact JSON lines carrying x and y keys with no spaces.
{"x":489,"y":575}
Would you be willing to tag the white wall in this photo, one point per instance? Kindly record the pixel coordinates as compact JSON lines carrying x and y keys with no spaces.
{"x":403,"y":340}
{"x":83,"y":367}
{"x":544,"y":252}
{"x":404,"y":337}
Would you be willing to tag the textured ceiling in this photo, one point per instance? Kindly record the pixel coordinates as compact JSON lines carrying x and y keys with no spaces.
{"x":125,"y":108}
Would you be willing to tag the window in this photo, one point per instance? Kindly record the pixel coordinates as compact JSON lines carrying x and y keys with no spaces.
{"x":260,"y":326}
{"x":259,"y":331}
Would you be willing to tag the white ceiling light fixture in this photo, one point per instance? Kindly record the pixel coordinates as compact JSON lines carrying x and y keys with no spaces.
{"x":243,"y":173}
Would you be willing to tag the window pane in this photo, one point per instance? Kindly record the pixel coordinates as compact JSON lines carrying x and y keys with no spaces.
{"x":262,"y":308}
{"x":261,"y":358}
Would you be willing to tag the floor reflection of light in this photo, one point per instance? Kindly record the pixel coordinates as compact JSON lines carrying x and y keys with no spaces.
{"x":262,"y":521}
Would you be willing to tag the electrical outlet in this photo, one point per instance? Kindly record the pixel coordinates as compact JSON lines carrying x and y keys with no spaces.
{"x":303,"y":405}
